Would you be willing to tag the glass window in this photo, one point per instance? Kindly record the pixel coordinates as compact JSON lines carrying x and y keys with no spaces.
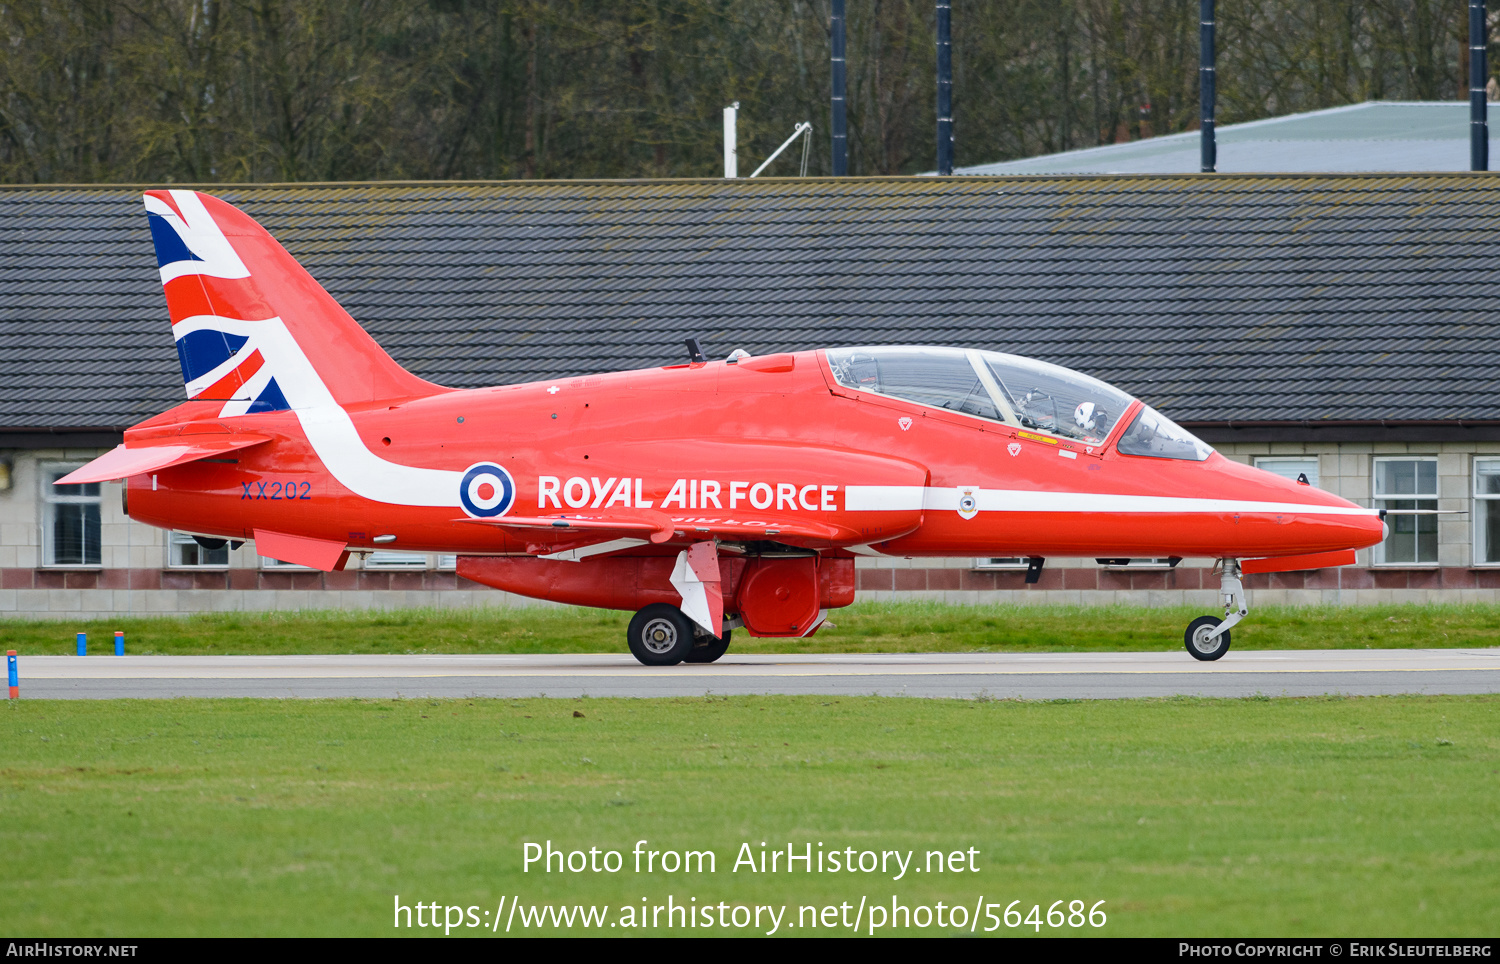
{"x":1486,"y":511}
{"x":185,"y":552}
{"x":1291,"y":468}
{"x":1002,"y":562}
{"x":70,"y":520}
{"x":1056,"y":399}
{"x":1408,"y":490}
{"x":395,"y":560}
{"x":1155,"y":436}
{"x":266,"y":562}
{"x":447,"y":561}
{"x":940,"y":377}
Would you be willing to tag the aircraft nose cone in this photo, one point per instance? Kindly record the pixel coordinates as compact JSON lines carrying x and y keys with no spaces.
{"x":1316,"y":520}
{"x":1373,"y":529}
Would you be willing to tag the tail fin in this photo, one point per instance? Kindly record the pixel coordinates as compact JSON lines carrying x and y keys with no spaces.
{"x":253,"y":329}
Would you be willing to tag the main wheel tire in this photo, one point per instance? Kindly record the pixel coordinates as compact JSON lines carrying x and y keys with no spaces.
{"x":708,"y":649}
{"x":660,"y":635}
{"x":1197,"y":641}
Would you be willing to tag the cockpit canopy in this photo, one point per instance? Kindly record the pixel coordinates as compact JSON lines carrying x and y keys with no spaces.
{"x":1019,"y":391}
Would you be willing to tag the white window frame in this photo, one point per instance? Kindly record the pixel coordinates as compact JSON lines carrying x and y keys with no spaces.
{"x":1266,"y":462}
{"x":50,"y":499}
{"x":1158,"y":564}
{"x":412,"y":561}
{"x":1492,"y":504}
{"x":276,"y":565}
{"x":172,"y":563}
{"x":1002,"y":563}
{"x":1377,"y":551}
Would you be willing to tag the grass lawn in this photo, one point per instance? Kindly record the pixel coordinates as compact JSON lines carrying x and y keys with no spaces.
{"x":1370,"y":816}
{"x":863,"y":628}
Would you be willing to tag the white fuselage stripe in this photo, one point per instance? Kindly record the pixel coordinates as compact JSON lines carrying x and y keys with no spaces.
{"x":328,"y":428}
{"x":907,"y":498}
{"x":337,"y":443}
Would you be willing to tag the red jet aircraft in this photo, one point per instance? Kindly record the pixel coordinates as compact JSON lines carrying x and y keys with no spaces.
{"x":704,"y":496}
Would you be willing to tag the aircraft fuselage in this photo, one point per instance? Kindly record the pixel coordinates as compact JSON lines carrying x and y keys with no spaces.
{"x":714,"y":441}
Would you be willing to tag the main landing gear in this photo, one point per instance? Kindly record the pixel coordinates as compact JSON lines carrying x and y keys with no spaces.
{"x":1207,"y":637}
{"x":707,"y":649}
{"x":663,"y":635}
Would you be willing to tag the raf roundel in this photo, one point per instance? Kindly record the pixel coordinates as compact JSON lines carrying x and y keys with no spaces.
{"x":486,"y":490}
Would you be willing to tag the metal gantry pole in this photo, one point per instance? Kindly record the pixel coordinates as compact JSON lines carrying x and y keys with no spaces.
{"x":944,"y":88}
{"x":804,"y":127}
{"x":731,"y":141}
{"x":1207,"y":91}
{"x":1479,"y":128}
{"x":839,"y":118}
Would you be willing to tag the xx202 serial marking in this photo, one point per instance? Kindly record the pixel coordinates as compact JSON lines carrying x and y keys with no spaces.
{"x":275,"y":491}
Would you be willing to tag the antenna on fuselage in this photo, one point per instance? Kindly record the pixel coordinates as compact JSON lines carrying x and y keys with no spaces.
{"x":695,"y":351}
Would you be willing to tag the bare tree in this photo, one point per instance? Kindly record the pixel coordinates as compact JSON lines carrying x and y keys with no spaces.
{"x":240,"y":90}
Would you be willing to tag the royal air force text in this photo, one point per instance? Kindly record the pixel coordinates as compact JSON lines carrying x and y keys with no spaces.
{"x":554,"y":492}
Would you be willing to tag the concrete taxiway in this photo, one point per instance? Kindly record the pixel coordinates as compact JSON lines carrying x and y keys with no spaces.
{"x":957,"y":675}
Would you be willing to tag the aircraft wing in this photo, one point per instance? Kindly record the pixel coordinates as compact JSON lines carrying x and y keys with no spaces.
{"x":658,"y":527}
{"x":785,"y":530}
{"x":136,"y":458}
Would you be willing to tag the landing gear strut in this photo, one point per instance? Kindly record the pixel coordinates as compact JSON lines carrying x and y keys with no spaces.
{"x":1207,"y":637}
{"x":707,"y":649}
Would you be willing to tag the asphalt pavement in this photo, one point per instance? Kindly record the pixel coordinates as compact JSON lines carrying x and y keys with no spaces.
{"x":1036,"y":676}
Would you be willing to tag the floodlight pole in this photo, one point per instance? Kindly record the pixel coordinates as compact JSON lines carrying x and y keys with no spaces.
{"x":1207,"y":90}
{"x":837,"y":105}
{"x":944,"y":88}
{"x":1479,"y":129}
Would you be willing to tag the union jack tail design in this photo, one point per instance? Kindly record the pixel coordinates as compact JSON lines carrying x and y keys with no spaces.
{"x":254,"y":331}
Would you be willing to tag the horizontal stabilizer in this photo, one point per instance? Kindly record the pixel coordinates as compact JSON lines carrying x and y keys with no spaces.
{"x":1315,"y":560}
{"x":137,"y":458}
{"x":302,"y":551}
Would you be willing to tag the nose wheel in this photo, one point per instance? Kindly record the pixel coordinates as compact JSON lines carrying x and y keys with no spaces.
{"x":1207,"y":637}
{"x":1201,"y":641}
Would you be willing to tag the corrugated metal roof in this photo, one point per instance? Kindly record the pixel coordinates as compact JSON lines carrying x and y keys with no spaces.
{"x":1373,"y":136}
{"x":1216,"y":298}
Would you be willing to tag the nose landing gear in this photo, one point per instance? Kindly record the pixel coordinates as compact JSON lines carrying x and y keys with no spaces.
{"x":1207,"y":637}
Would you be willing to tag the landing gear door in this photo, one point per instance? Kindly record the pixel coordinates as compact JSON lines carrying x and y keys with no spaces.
{"x":779,"y":595}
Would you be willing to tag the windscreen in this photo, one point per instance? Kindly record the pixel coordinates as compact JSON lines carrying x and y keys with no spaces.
{"x":1155,"y":436}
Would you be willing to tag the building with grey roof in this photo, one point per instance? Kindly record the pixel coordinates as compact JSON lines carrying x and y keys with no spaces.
{"x":1368,"y":137}
{"x":1338,"y":326}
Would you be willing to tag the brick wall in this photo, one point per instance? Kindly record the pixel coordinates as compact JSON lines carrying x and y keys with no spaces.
{"x":135,"y":577}
{"x":1185,"y":585}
